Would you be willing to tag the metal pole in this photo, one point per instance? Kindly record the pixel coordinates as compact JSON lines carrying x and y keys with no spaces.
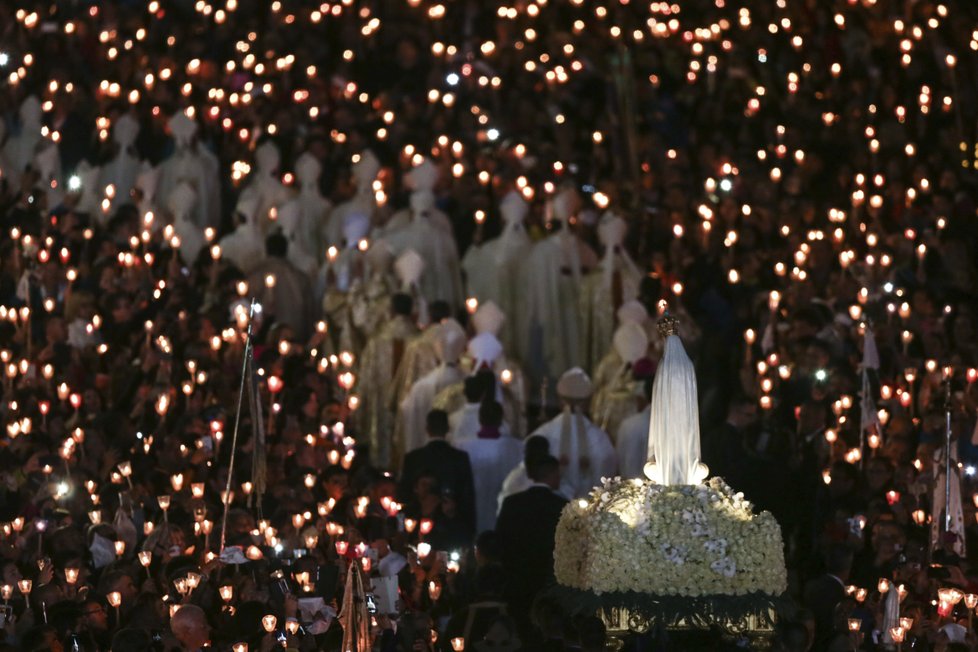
{"x":947,"y":455}
{"x":237,"y":423}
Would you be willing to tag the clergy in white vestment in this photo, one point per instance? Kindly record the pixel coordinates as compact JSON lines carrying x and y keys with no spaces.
{"x":630,"y":311}
{"x":517,"y":480}
{"x":364,"y":171}
{"x":422,"y":177}
{"x":615,"y":282}
{"x":244,"y":246}
{"x":633,"y":444}
{"x":265,"y":187}
{"x":289,"y":218}
{"x":284,"y":292}
{"x":423,"y":232}
{"x":619,"y":396}
{"x":189,"y":237}
{"x":121,"y":171}
{"x":463,"y":423}
{"x":492,"y":454}
{"x":413,"y":410}
{"x":584,"y":450}
{"x":551,"y":279}
{"x":314,"y":209}
{"x":195,"y":164}
{"x":492,"y":269}
{"x":21,"y":147}
{"x":47,"y":166}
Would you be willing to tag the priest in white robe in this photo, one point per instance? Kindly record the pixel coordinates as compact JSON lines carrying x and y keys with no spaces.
{"x":615,"y":282}
{"x":21,"y":147}
{"x":449,"y":344}
{"x":195,"y":164}
{"x":189,"y":237}
{"x":314,"y":209}
{"x":551,"y":283}
{"x":492,"y":454}
{"x":365,"y":169}
{"x":425,"y":232}
{"x":266,"y":189}
{"x":121,"y":171}
{"x":584,"y":450}
{"x":376,"y":369}
{"x":632,"y":444}
{"x":492,"y":269}
{"x":244,"y":246}
{"x":463,"y":423}
{"x":619,"y":397}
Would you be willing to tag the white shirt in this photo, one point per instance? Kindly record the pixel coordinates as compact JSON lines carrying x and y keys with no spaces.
{"x":491,"y":459}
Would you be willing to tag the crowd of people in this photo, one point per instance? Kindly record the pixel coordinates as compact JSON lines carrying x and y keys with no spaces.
{"x":314,"y":311}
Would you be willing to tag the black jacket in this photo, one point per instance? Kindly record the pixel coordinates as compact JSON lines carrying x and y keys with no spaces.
{"x":453,"y":470}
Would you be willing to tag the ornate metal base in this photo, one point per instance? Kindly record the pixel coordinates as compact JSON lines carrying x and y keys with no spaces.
{"x":756,"y":628}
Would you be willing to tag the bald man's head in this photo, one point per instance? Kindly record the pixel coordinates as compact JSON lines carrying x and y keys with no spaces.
{"x":189,"y":626}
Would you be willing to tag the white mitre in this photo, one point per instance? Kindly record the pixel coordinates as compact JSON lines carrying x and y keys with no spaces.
{"x":674,"y":428}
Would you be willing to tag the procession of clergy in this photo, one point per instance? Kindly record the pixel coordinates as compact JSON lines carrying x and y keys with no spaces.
{"x":547,"y":318}
{"x":551,"y":318}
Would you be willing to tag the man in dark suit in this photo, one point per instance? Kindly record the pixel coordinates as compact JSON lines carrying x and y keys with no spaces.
{"x":439,"y":459}
{"x":823,"y":594}
{"x":526,"y":527}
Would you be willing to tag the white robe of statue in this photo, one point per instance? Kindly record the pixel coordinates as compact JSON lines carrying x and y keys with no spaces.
{"x":584,"y":450}
{"x":633,"y":444}
{"x":362,"y":204}
{"x":181,"y":204}
{"x":20,"y":148}
{"x":674,"y":424}
{"x":492,"y":269}
{"x":491,"y":460}
{"x":414,"y":408}
{"x":122,"y":170}
{"x":195,"y":164}
{"x":442,"y":277}
{"x":265,"y":188}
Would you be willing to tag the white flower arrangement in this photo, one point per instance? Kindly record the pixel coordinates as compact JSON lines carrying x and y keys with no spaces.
{"x":677,"y":540}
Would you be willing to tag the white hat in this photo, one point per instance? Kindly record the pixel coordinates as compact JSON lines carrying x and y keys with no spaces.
{"x":485,"y":348}
{"x":449,"y":340}
{"x":488,"y":318}
{"x":267,"y":157}
{"x":182,"y":127}
{"x":630,"y":341}
{"x":632,"y":311}
{"x":365,"y":170}
{"x":423,"y":176}
{"x":421,"y":201}
{"x":612,"y":230}
{"x":409,"y":267}
{"x":181,"y":199}
{"x":30,"y":113}
{"x":308,"y":168}
{"x":565,"y":204}
{"x":356,"y":226}
{"x":125,"y":130}
{"x":513,"y":208}
{"x":575,"y":385}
